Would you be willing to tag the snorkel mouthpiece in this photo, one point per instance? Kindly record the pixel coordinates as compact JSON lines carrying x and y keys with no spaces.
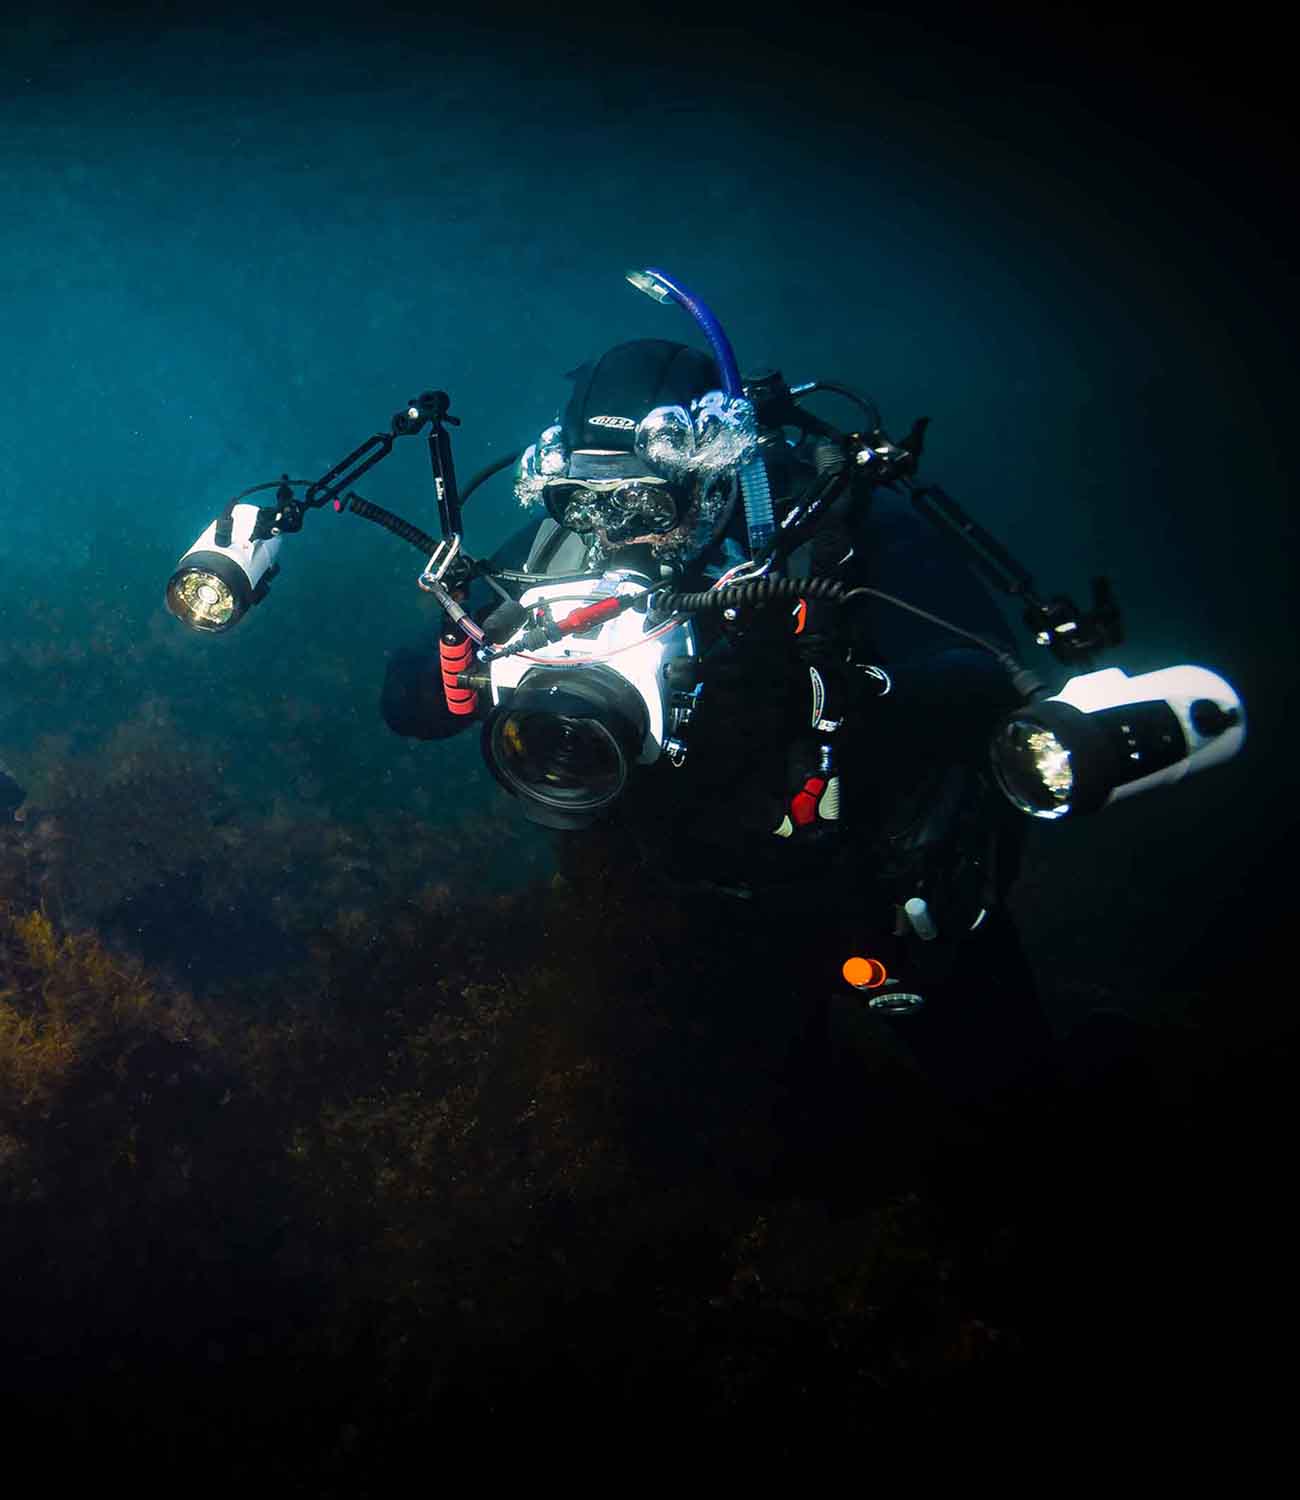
{"x":649,"y":283}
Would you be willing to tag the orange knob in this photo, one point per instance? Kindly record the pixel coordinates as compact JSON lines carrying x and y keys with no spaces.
{"x":864,"y":973}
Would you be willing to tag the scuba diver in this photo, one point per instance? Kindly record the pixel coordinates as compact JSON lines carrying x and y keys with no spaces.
{"x":825,"y":757}
{"x":746,"y":650}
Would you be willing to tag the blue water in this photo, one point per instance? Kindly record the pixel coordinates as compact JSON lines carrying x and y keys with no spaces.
{"x":233,"y":250}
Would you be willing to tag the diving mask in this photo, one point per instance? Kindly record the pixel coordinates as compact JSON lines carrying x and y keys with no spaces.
{"x":695,"y":445}
{"x":621,"y":511}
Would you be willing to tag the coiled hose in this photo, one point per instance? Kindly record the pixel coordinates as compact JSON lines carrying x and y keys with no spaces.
{"x":421,"y":540}
{"x":757,"y":591}
{"x":754,"y":591}
{"x":368,"y":511}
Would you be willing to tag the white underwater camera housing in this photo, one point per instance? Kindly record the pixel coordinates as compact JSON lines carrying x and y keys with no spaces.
{"x":572,"y":717}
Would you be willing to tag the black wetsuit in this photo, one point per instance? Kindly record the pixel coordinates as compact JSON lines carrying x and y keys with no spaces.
{"x":919,"y":814}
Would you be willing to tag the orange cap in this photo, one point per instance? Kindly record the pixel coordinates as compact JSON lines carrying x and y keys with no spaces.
{"x":864,"y":973}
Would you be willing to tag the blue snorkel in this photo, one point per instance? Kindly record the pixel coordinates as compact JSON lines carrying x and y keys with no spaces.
{"x":754,"y":487}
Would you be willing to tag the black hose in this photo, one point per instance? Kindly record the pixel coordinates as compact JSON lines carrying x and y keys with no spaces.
{"x":224,"y":518}
{"x":753,"y":591}
{"x":421,"y":540}
{"x":865,"y":403}
{"x":483,"y":475}
{"x":418,"y":539}
{"x":773,"y":590}
{"x":514,"y":575}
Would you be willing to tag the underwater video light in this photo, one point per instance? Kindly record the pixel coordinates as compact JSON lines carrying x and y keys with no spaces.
{"x":1106,"y":735}
{"x":214,"y":585}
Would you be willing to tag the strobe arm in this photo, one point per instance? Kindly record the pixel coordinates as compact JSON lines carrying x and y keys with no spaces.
{"x":1073,"y":635}
{"x":286,"y":515}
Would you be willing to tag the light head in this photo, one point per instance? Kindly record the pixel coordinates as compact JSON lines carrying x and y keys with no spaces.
{"x":214,"y":585}
{"x":1106,"y":736}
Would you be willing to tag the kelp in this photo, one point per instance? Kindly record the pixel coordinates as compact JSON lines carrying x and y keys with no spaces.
{"x":323,"y":1130}
{"x":434,"y":1149}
